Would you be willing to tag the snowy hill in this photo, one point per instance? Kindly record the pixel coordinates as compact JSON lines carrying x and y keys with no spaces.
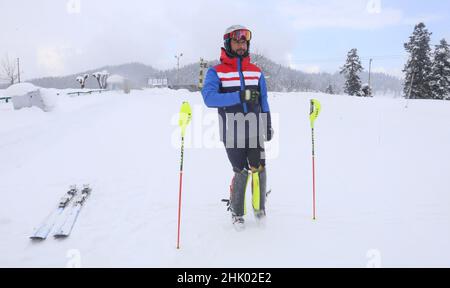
{"x":279,"y":77}
{"x":382,"y":184}
{"x":137,"y":73}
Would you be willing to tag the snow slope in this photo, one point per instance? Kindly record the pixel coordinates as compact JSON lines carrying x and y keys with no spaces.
{"x":383,"y":191}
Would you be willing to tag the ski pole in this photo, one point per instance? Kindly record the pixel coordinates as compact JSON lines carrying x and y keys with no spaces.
{"x":184,"y":120}
{"x":315,"y":110}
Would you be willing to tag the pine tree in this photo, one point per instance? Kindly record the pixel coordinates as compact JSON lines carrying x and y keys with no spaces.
{"x":330,"y":90}
{"x":351,"y":69}
{"x":440,"y":73}
{"x":366,"y":90}
{"x":418,"y":68}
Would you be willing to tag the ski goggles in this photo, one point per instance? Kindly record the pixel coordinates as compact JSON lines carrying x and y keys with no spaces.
{"x":239,"y":35}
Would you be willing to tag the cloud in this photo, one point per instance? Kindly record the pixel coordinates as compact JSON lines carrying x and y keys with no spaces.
{"x":354,"y":14}
{"x":75,"y":35}
{"x":412,"y":21}
{"x":50,"y":60}
{"x":115,"y":32}
{"x":311,"y":69}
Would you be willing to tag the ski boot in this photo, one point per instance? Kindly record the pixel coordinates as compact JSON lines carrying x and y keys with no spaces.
{"x":238,"y":222}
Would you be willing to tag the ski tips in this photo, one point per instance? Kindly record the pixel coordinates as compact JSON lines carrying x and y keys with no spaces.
{"x":37,"y":239}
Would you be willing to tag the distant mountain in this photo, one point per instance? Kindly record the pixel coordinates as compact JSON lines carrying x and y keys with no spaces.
{"x":279,"y":77}
{"x":137,"y":73}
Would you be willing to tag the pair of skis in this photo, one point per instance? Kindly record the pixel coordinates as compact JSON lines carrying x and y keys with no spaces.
{"x":65,"y":226}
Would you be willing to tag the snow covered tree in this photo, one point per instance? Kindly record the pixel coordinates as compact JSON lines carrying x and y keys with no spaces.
{"x":98,"y":75}
{"x":330,"y":90}
{"x":351,"y":69}
{"x":9,"y":71}
{"x":102,"y":78}
{"x":440,"y":72}
{"x":82,"y":80}
{"x":418,"y":68}
{"x":366,"y":90}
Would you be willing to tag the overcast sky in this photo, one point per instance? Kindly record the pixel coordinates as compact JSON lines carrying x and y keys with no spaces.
{"x":59,"y":37}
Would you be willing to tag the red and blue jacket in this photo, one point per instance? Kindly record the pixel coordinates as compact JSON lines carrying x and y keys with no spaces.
{"x":224,"y":82}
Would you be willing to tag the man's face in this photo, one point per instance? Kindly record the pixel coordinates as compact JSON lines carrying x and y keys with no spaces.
{"x":239,"y":46}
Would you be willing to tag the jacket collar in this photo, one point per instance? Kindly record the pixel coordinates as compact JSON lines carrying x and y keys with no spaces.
{"x":233,"y":61}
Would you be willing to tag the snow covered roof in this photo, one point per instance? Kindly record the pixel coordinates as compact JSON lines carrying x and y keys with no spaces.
{"x":20,"y":89}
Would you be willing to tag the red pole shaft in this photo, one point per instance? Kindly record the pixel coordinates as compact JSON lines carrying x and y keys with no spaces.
{"x":314,"y":175}
{"x":179,"y":209}
{"x":179,"y":194}
{"x":314,"y":190}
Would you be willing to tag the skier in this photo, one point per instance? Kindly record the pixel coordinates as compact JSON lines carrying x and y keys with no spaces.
{"x":238,"y":89}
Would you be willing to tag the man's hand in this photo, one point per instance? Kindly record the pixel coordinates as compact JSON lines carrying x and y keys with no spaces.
{"x":250,"y":96}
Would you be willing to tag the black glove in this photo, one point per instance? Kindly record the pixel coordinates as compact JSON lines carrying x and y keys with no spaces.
{"x":250,"y":96}
{"x":268,"y":131}
{"x":269,"y":134}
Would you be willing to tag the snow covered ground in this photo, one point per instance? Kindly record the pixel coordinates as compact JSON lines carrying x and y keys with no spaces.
{"x":383,"y":185}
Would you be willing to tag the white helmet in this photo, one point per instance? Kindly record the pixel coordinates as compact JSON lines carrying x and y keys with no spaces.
{"x":234,"y":28}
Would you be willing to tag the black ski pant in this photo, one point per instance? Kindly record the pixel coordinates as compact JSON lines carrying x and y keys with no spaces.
{"x":244,"y":158}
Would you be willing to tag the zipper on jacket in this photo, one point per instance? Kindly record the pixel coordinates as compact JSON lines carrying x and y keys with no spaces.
{"x":241,"y":76}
